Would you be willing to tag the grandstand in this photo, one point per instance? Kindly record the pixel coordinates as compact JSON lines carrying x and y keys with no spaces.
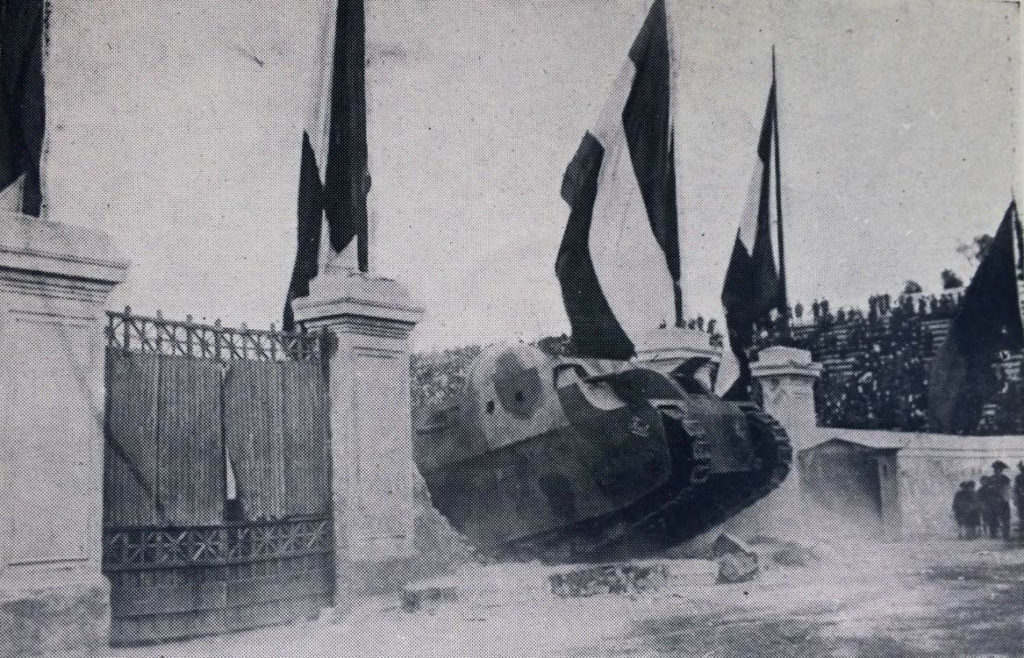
{"x":876,"y":364}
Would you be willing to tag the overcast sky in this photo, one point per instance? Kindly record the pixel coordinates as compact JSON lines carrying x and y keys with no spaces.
{"x":176,"y":127}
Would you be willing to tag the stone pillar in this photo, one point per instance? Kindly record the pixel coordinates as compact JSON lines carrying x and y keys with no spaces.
{"x":369,"y":319}
{"x":666,"y":348}
{"x":54,"y":281}
{"x":787,"y":376}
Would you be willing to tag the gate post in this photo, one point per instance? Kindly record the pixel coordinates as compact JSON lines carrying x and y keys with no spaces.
{"x":54,"y":281}
{"x":786,"y":376}
{"x":369,"y":319}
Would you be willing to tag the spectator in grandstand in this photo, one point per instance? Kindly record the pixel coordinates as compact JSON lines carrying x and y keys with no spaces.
{"x":967,"y":511}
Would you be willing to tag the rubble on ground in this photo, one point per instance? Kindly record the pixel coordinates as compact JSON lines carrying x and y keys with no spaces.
{"x":428,"y":598}
{"x":792,"y":554}
{"x":737,"y":563}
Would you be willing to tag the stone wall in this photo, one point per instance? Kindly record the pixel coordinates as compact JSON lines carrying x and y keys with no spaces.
{"x":929,"y":468}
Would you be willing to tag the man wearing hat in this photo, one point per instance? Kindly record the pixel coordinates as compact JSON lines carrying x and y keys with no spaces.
{"x":1000,"y":482}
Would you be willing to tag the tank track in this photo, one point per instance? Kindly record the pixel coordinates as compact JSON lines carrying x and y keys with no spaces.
{"x":699,"y":508}
{"x":707,"y":501}
{"x":779,"y":450}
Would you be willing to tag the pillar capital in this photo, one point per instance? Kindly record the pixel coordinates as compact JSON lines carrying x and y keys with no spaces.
{"x":347,"y":300}
{"x":666,"y":348}
{"x":777,"y":362}
{"x":787,"y":376}
{"x":670,"y":346}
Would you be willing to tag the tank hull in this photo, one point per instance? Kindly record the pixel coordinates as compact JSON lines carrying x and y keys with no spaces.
{"x":627,"y":463}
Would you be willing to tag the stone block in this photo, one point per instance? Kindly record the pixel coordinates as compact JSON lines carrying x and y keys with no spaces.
{"x":689,"y":574}
{"x":737,"y":562}
{"x":416,"y":598}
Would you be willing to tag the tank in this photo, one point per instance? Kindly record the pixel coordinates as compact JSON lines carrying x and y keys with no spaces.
{"x":577,"y":460}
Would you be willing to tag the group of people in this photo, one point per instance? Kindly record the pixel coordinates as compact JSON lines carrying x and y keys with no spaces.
{"x":986,"y":509}
{"x":876,"y":373}
{"x":931,"y":306}
{"x":876,"y":367}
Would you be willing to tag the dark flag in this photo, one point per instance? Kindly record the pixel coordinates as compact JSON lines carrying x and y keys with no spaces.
{"x":987,"y":321}
{"x":622,"y":179}
{"x":334,"y":177}
{"x":752,"y":285}
{"x":22,"y":104}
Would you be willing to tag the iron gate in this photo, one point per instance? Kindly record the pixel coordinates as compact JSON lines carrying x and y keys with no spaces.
{"x":217,"y":501}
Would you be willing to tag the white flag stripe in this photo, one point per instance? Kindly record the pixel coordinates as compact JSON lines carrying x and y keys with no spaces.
{"x":729,"y":369}
{"x":1017,"y":259}
{"x":347,"y":258}
{"x":609,"y":122}
{"x":629,"y":263}
{"x":318,"y":118}
{"x":229,"y":476}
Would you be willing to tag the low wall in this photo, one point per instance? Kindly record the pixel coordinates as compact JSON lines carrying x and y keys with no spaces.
{"x":930,"y":468}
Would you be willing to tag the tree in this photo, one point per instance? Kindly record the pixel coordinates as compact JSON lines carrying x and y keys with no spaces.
{"x":975,"y":251}
{"x":912,"y":288}
{"x":950,"y":280}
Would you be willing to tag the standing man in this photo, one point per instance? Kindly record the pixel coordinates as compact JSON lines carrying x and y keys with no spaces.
{"x":1001,"y":496}
{"x":967,"y":511}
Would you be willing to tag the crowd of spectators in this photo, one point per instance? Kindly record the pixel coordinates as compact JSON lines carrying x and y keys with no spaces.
{"x":875,"y":373}
{"x":877,"y":362}
{"x":437,"y":376}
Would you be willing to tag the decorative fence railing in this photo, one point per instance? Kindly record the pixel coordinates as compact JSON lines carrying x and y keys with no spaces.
{"x":156,"y":335}
{"x":130,"y":549}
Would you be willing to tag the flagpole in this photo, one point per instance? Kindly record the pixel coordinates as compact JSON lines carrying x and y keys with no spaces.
{"x":1018,"y":255}
{"x":783,"y":297}
{"x":677,"y":294}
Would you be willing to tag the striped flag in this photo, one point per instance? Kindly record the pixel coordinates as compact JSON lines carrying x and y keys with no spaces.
{"x":22,"y":104}
{"x":334,"y":177}
{"x":619,"y":257}
{"x":752,"y":285}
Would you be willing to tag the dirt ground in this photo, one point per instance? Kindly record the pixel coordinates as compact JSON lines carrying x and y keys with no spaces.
{"x":915,"y":599}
